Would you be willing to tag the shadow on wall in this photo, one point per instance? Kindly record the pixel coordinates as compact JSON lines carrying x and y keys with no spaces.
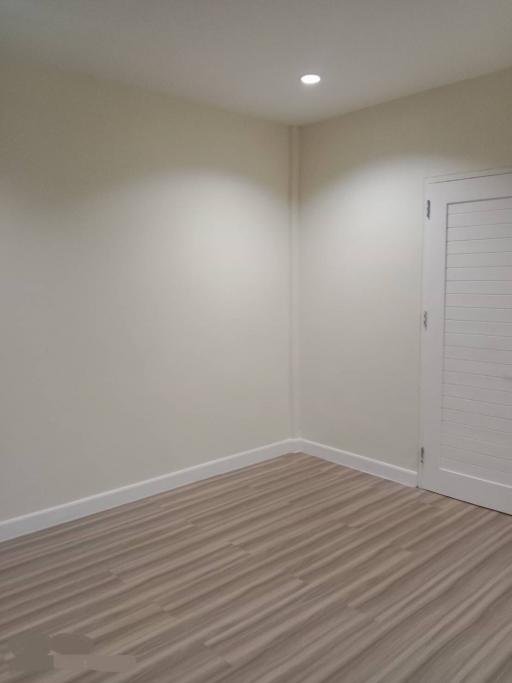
{"x":66,"y":138}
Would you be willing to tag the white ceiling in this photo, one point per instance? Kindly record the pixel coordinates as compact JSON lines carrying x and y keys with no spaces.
{"x":247,"y":55}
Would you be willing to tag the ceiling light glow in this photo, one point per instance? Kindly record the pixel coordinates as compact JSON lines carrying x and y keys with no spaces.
{"x":310,"y":79}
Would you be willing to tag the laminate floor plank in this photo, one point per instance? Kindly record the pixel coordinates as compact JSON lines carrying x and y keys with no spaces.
{"x":294,"y":570}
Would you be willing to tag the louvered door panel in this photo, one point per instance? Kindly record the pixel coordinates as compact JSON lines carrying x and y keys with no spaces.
{"x":466,"y":354}
{"x":476,"y":430}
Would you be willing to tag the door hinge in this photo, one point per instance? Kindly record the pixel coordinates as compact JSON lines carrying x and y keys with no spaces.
{"x":428,"y":209}
{"x":422,"y":455}
{"x":425,"y":319}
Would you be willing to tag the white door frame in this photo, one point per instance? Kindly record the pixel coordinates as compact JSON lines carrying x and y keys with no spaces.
{"x":439,"y":191}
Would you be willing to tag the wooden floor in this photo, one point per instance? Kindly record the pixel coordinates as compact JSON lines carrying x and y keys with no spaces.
{"x":292,"y":570}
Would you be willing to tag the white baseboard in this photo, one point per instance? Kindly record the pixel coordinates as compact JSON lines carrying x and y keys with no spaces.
{"x":358,"y":462}
{"x":43,"y":519}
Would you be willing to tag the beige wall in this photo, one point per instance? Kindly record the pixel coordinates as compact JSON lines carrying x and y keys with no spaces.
{"x":143,"y":286}
{"x":144,"y":277}
{"x":361,"y":250}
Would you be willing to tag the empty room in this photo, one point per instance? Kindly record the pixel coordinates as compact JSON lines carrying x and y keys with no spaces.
{"x":255,"y":341}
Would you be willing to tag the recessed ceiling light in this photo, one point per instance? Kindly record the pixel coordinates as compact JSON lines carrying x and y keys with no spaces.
{"x":310,"y":79}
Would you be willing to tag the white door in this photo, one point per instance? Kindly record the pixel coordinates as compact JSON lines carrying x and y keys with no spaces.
{"x":467,"y":341}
